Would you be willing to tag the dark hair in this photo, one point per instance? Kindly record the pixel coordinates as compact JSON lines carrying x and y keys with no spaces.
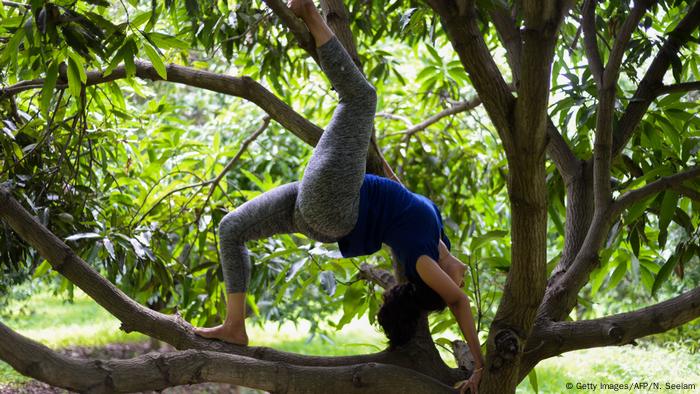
{"x":402,"y":307}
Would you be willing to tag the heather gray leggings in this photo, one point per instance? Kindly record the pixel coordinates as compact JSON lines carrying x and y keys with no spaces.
{"x":324,"y":204}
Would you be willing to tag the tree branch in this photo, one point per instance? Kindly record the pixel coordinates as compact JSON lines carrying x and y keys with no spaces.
{"x":633,"y":196}
{"x":678,"y":88}
{"x":647,"y":89}
{"x":558,"y":150}
{"x":612,"y":68}
{"x":383,"y":278}
{"x":412,"y":129}
{"x":229,"y":165}
{"x":338,"y":19}
{"x":590,"y":41}
{"x":561,"y":154}
{"x":692,"y":194}
{"x":295,"y":25}
{"x":559,"y":337}
{"x":561,"y":294}
{"x":243,"y":87}
{"x":156,"y":371}
{"x":510,"y":37}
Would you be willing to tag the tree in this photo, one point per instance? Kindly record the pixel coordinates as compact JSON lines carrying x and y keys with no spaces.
{"x":606,"y":63}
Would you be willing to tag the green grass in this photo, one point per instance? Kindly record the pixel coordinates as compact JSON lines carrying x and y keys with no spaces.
{"x":84,"y":323}
{"x":56,"y":323}
{"x":645,"y":363}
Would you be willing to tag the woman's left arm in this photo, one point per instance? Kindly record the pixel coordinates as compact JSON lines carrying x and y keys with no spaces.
{"x":456,"y":300}
{"x":462,"y":312}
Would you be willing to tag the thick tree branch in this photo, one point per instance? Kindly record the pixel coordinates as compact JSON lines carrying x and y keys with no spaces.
{"x":559,"y":337}
{"x":558,"y":150}
{"x":653,"y":78}
{"x":634,"y":196}
{"x":509,"y":35}
{"x":338,"y":19}
{"x":156,"y":371}
{"x":590,"y":41}
{"x":526,"y":280}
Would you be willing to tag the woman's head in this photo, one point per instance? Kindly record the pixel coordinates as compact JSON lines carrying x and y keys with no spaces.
{"x":402,"y":307}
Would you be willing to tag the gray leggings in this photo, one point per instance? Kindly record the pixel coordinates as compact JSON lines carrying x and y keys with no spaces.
{"x":324,"y":204}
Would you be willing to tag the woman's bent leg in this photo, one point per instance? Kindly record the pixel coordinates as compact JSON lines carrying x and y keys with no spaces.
{"x":329,"y":190}
{"x":268,"y":214}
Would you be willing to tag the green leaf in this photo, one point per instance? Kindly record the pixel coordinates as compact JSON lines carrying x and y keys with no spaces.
{"x":443,"y":325}
{"x":79,"y":65}
{"x":618,"y":274}
{"x":130,"y":52}
{"x":165,"y":41}
{"x":48,"y":89}
{"x":109,"y":247}
{"x":12,"y":47}
{"x":664,"y":273}
{"x":74,"y":84}
{"x":41,"y":269}
{"x":434,"y":54}
{"x":634,"y":241}
{"x":444,"y":342}
{"x":253,"y":306}
{"x":480,"y":240}
{"x":155,"y":60}
{"x":532,"y":378}
{"x":668,"y":208}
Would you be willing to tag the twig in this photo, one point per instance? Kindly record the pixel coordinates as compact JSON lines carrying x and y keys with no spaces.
{"x":244,"y":145}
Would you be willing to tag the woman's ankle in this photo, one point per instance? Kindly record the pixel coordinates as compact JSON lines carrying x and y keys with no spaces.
{"x":234,"y":324}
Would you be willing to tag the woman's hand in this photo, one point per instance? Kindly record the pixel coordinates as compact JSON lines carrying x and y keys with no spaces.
{"x":471,"y":384}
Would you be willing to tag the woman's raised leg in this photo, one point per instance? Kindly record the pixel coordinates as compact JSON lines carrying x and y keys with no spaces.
{"x":329,"y":195}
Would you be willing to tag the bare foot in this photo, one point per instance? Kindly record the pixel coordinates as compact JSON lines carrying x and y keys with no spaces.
{"x":301,"y":7}
{"x":225,"y":333}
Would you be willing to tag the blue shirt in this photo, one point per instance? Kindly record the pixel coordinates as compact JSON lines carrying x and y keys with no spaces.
{"x":389,"y":213}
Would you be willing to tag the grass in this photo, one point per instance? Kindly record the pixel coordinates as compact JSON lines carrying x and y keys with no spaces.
{"x":645,"y":363}
{"x":83,"y":323}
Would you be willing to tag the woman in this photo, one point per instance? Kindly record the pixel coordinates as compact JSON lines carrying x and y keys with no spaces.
{"x":337,"y":202}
